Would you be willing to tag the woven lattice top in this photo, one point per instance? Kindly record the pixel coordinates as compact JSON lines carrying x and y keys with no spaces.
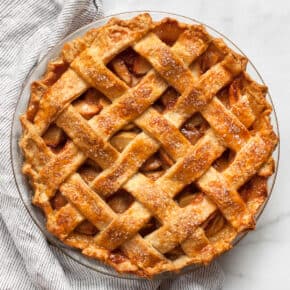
{"x":148,"y":146}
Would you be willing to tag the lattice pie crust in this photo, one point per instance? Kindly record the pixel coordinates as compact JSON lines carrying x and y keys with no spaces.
{"x":148,"y":146}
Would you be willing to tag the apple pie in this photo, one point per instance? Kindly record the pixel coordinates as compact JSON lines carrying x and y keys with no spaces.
{"x":148,"y":146}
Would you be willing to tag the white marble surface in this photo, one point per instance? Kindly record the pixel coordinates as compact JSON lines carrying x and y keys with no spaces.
{"x":262,"y":30}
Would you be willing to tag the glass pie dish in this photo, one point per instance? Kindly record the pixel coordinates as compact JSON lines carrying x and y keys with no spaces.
{"x":16,"y":154}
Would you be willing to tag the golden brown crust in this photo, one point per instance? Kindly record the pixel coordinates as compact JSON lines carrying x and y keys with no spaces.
{"x":178,"y":192}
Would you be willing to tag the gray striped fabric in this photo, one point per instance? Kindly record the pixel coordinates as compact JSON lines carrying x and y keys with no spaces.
{"x":28,"y":29}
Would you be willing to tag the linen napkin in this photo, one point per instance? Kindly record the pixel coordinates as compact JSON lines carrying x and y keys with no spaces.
{"x":28,"y":30}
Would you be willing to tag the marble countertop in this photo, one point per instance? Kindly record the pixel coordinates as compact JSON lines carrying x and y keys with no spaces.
{"x":262,"y":30}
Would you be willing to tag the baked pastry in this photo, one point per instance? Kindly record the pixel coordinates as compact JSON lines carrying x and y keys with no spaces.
{"x":148,"y":146}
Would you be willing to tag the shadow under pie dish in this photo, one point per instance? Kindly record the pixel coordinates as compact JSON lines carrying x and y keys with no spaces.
{"x":148,"y":146}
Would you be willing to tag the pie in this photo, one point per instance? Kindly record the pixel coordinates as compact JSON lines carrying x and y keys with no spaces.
{"x":148,"y":146}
